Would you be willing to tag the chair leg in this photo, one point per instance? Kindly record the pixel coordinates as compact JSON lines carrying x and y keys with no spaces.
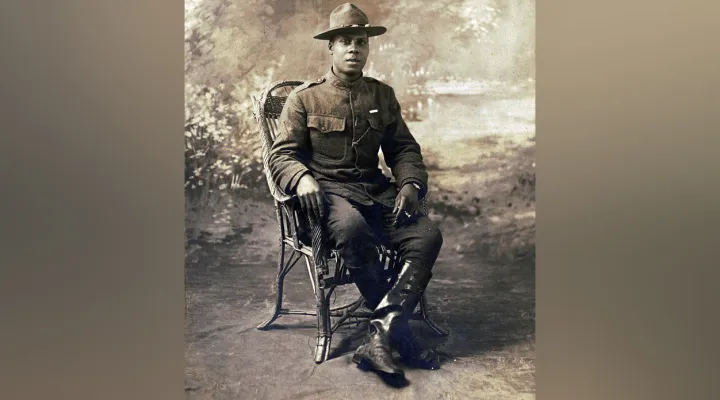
{"x":324,"y":336}
{"x":282,"y":271}
{"x":426,"y":318}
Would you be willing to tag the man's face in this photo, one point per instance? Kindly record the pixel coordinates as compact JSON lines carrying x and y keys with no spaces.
{"x":350,"y":52}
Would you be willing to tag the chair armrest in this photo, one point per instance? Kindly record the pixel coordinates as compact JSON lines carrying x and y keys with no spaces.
{"x":298,"y":221}
{"x":423,"y":206}
{"x":292,"y":202}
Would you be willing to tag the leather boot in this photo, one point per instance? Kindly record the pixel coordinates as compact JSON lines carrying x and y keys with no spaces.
{"x":404,"y":297}
{"x":391,"y":320}
{"x":414,"y":355}
{"x":375,"y":349}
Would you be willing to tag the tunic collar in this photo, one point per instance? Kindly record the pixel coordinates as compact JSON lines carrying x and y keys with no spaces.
{"x":341,"y":84}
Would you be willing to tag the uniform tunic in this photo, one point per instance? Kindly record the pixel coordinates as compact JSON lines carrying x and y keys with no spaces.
{"x":334,"y":129}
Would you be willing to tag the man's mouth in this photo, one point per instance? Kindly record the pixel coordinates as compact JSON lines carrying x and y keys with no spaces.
{"x":353,"y":61}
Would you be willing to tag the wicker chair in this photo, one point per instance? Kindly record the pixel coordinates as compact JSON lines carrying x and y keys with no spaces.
{"x":305,"y":239}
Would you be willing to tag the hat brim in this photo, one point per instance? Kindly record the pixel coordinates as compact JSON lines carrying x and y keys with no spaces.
{"x":371,"y":31}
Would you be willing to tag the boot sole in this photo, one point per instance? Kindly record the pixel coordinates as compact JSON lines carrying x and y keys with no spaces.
{"x":366,"y":363}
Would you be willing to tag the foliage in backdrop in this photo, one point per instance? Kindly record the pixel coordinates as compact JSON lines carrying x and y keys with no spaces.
{"x":233,"y":48}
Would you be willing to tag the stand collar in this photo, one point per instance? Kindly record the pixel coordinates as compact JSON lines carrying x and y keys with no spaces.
{"x":341,"y":84}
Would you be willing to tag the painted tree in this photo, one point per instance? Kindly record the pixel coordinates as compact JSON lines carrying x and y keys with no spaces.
{"x":432,"y":40}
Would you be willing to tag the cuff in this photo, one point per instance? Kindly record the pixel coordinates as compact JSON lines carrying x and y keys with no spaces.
{"x":294,"y":180}
{"x":422,"y":189}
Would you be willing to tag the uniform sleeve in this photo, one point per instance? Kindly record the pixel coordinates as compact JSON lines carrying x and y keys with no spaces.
{"x":288,"y":154}
{"x":402,"y":152}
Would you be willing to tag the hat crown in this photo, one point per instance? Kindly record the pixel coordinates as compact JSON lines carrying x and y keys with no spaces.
{"x":347,"y":14}
{"x":349,"y":18}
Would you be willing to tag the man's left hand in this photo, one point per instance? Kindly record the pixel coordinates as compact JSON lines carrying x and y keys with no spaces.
{"x":406,"y":203}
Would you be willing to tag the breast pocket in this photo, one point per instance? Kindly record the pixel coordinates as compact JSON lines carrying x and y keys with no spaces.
{"x":328,"y":137}
{"x":368,"y":144}
{"x":378,"y":126}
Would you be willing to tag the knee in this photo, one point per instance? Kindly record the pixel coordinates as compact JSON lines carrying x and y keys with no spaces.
{"x":424,"y":245}
{"x":353,"y":239}
{"x":350,"y":227}
{"x":433,"y":238}
{"x":427,"y":238}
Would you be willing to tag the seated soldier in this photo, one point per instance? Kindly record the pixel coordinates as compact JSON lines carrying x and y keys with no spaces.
{"x":326,"y":152}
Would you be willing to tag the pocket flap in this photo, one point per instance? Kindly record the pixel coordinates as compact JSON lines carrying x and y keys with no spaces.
{"x":326,"y":123}
{"x":379,"y":123}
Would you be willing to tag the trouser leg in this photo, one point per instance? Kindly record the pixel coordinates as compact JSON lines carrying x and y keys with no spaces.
{"x":418,"y":244}
{"x":356,"y":241}
{"x":352,"y":231}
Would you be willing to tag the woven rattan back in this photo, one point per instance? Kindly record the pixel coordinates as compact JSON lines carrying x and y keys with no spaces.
{"x":267,"y":112}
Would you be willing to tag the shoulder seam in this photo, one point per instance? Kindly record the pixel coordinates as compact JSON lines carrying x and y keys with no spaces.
{"x":371,"y":79}
{"x":309,"y":84}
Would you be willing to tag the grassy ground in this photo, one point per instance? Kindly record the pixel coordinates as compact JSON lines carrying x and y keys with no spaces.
{"x":483,"y":196}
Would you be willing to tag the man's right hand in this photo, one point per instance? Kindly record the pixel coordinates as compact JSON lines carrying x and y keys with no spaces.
{"x":311,"y":196}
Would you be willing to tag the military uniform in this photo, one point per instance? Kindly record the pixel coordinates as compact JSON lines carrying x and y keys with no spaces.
{"x":338,"y":128}
{"x":333,"y":129}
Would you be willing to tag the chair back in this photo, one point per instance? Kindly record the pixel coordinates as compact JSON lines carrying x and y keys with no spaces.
{"x":267,"y":112}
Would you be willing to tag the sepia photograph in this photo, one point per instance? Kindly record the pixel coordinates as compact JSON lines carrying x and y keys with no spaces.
{"x":358,"y":212}
{"x":360,"y":199}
